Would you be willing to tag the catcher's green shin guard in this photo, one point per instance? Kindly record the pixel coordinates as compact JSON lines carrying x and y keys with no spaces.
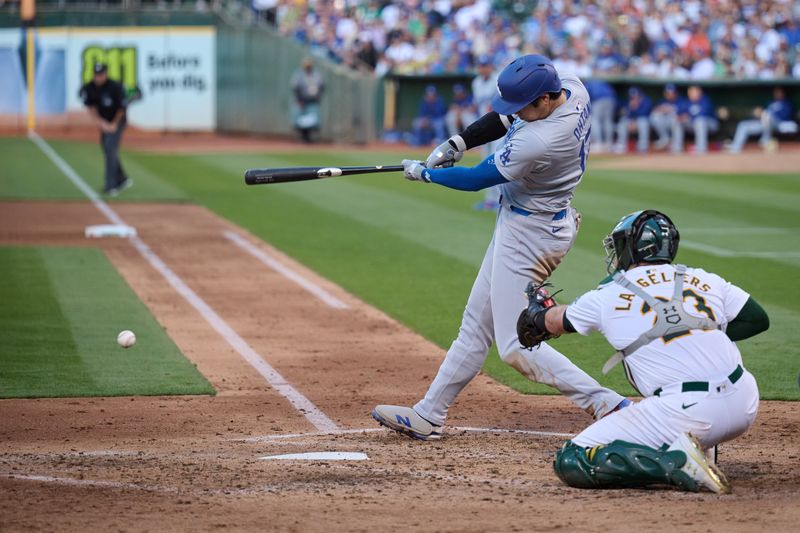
{"x":621,"y":464}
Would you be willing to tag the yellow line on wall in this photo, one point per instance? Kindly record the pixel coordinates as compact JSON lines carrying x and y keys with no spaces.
{"x":30,"y":53}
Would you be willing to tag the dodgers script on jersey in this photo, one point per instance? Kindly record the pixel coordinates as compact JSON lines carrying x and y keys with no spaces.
{"x":544,"y":160}
{"x":621,"y":317}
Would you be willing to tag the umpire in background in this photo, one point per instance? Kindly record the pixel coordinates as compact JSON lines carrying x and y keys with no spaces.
{"x":105,"y":100}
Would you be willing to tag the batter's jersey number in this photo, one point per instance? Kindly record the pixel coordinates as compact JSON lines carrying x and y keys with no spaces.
{"x":121,"y":63}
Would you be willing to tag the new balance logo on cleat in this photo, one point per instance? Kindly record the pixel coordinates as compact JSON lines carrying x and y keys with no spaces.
{"x":405,"y":421}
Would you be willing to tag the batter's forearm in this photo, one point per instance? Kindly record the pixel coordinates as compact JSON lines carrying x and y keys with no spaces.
{"x":488,"y":128}
{"x":476,"y":178}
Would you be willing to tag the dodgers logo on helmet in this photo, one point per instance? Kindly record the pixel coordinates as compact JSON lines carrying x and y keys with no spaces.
{"x":523,"y":81}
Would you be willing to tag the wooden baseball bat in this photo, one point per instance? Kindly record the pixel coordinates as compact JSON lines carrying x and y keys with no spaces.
{"x":260,"y":176}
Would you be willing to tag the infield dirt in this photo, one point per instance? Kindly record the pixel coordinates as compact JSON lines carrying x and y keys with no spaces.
{"x":184,"y":463}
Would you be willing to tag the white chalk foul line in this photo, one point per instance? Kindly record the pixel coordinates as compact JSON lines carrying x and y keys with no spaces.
{"x":290,"y":436}
{"x":275,"y":380}
{"x":84,"y":482}
{"x":285,"y":271}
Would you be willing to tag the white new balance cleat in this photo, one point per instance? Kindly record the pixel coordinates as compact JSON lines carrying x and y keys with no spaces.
{"x":697,"y":466}
{"x":406,"y":421}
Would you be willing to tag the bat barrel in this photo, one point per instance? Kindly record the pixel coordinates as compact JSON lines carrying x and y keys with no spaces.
{"x":257,"y":176}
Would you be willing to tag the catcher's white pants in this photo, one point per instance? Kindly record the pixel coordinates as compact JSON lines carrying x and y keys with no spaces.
{"x":723,"y":413}
{"x":523,"y":248}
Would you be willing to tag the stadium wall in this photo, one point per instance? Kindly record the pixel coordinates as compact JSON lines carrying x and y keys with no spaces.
{"x":197,"y":72}
{"x":255,"y":66}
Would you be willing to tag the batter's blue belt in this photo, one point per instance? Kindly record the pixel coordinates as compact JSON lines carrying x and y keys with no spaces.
{"x":524,"y":212}
{"x":702,"y":386}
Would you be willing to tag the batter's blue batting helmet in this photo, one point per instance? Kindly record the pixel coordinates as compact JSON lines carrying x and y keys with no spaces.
{"x":523,"y":81}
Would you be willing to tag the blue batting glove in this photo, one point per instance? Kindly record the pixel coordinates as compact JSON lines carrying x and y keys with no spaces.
{"x":414,"y":170}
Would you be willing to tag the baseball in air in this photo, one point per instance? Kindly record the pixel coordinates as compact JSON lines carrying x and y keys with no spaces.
{"x":126,"y":338}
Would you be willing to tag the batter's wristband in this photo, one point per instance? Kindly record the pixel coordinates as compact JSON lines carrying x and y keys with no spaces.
{"x":457,"y":142}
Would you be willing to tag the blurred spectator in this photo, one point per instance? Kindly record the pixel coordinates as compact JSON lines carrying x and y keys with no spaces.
{"x":778,"y":116}
{"x":484,"y":87}
{"x":462,"y":111}
{"x":635,"y":117}
{"x":307,"y":86}
{"x":703,"y":67}
{"x":267,"y":10}
{"x":604,"y":102}
{"x":697,"y":116}
{"x":429,"y":126}
{"x":367,"y":55}
{"x":608,"y":61}
{"x":684,"y":38}
{"x":664,"y":115}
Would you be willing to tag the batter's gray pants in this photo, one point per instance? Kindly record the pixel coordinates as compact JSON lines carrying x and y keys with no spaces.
{"x":110,"y":143}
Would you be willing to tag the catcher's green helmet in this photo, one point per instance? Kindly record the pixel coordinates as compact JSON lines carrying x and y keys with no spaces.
{"x":641,"y":237}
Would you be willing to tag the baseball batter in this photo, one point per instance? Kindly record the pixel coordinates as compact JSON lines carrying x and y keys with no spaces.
{"x":674,"y":328}
{"x":538,"y":166}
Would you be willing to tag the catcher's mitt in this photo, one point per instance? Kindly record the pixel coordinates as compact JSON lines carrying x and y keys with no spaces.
{"x":530,"y":325}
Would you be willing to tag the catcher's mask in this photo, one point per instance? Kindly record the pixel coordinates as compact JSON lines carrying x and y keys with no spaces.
{"x":642,"y":237}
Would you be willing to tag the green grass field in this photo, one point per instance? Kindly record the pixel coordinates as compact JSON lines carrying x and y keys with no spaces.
{"x":413,"y":250}
{"x":58,"y":326}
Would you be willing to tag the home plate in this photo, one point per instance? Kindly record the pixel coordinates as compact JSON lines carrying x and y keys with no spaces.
{"x":319,"y":456}
{"x":110,"y":230}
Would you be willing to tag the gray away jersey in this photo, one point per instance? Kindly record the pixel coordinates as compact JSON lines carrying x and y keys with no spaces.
{"x":544,"y":160}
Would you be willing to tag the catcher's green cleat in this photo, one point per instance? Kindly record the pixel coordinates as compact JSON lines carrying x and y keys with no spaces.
{"x":621,"y":464}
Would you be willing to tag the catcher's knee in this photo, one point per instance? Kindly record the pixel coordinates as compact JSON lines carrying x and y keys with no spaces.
{"x":619,"y":464}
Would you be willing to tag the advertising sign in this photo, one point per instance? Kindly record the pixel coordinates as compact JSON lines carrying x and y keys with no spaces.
{"x":173,"y":67}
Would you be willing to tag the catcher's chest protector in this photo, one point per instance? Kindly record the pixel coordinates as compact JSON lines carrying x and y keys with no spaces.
{"x":671,"y":318}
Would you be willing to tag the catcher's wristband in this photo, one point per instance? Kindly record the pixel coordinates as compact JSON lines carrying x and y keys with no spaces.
{"x":539,"y":321}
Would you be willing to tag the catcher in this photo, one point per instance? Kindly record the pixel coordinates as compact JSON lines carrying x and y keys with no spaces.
{"x":675,"y":329}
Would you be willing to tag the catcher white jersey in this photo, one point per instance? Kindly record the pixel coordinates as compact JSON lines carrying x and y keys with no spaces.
{"x":621,"y":317}
{"x":544,"y":160}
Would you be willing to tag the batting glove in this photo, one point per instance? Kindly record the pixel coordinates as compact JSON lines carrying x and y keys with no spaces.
{"x":447,"y":154}
{"x":415,"y":171}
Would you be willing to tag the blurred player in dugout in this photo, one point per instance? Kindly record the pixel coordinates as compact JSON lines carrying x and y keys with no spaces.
{"x":106,"y":102}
